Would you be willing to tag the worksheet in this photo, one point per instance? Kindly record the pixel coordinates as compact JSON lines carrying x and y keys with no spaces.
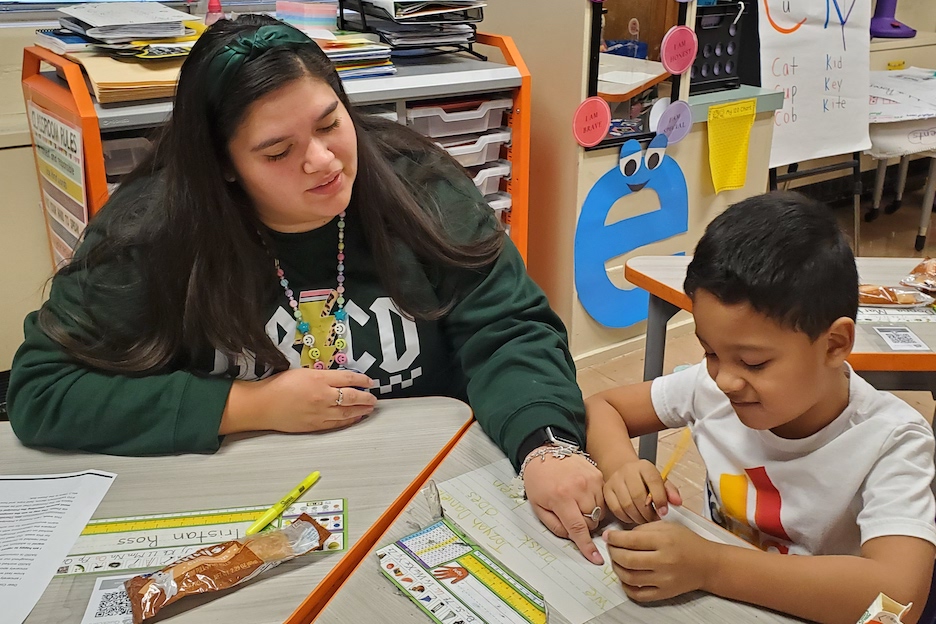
{"x":144,"y":542}
{"x":455,"y":582}
{"x":40,"y":518}
{"x":481,"y":505}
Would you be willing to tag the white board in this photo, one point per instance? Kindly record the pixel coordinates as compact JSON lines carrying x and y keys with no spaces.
{"x":817,"y":52}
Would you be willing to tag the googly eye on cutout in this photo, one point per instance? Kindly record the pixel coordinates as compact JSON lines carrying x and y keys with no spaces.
{"x":656,"y":151}
{"x":631,"y":157}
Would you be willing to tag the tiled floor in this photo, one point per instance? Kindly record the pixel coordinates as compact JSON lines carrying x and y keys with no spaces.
{"x":889,"y":235}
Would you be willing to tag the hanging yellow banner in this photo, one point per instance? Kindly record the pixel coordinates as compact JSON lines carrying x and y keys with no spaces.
{"x":729,"y":134}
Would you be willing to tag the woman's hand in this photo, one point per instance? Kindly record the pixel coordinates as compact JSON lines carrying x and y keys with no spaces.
{"x":627,"y":490}
{"x":299,"y":400}
{"x":562,"y":492}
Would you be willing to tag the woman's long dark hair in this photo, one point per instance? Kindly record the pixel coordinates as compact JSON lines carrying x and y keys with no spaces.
{"x":205,"y":273}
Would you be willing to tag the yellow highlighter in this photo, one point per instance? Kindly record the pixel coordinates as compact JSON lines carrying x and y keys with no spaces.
{"x":277,"y":510}
{"x":681,"y":447}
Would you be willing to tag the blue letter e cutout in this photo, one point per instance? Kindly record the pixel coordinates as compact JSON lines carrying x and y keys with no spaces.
{"x":596,"y":243}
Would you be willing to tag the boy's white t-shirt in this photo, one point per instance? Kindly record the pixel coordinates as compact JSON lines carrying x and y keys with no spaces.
{"x":867,"y":474}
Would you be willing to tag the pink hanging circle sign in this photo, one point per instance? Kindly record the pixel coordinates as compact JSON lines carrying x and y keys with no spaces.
{"x":679,"y":49}
{"x":591,"y":122}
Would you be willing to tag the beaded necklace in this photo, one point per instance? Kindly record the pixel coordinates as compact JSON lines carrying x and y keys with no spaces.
{"x":317,"y":355}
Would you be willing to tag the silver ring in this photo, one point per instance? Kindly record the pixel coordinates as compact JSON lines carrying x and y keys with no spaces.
{"x":340,"y":397}
{"x":595,"y":514}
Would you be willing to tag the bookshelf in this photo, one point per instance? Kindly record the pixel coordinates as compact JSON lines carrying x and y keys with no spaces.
{"x":56,"y":84}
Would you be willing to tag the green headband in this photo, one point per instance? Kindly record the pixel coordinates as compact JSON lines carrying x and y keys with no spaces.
{"x":244,"y":48}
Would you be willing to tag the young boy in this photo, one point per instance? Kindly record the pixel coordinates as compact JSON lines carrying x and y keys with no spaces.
{"x":803,"y":456}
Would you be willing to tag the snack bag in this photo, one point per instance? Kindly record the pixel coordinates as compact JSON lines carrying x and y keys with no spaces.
{"x":923,"y":276}
{"x":222,"y":566}
{"x":872,"y":294}
{"x":884,"y":611}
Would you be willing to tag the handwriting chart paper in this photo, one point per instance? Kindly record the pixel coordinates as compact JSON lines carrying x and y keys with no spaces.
{"x":479,"y":502}
{"x":155,"y":541}
{"x":816,"y":52}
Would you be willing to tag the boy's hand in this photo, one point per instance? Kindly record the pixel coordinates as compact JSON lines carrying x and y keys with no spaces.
{"x":660,"y":560}
{"x":625,"y":493}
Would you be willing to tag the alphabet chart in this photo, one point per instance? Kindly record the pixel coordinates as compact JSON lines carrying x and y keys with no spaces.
{"x":142,"y":542}
{"x":453,"y":581}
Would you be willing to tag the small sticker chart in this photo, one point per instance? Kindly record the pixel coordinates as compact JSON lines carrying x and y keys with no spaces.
{"x":455,"y":582}
{"x":155,"y":541}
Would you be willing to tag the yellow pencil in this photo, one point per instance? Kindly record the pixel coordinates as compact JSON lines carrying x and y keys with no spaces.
{"x":678,"y":452}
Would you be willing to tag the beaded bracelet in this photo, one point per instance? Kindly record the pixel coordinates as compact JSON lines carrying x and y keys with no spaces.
{"x":559,"y":451}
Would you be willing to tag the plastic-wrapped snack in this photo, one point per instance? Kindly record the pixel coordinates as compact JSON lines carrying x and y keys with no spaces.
{"x":923,"y":276}
{"x":874,"y":295}
{"x":222,"y":566}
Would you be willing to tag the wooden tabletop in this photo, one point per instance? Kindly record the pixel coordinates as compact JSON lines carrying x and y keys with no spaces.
{"x":663,"y":277}
{"x":367,"y":596}
{"x":377,"y":465}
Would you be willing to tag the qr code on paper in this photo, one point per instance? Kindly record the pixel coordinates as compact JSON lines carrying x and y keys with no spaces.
{"x":113,"y":604}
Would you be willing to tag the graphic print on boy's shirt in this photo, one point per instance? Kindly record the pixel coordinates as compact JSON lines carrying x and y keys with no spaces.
{"x":395,"y":367}
{"x":731,"y":509}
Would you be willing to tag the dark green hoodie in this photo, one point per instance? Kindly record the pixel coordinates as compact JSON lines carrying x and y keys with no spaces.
{"x":501,"y":348}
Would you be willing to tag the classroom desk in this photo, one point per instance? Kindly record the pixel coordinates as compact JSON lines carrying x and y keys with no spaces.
{"x":377,"y":465}
{"x":367,"y":596}
{"x":632,"y":76}
{"x":663,"y":276}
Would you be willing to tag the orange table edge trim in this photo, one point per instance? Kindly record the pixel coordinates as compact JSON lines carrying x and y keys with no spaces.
{"x":310,"y":608}
{"x":883,"y":362}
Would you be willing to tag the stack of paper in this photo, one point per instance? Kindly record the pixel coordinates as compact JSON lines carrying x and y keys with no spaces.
{"x":418,"y":24}
{"x":316,"y":19}
{"x":358,"y":56}
{"x":402,"y":35}
{"x":114,"y":80}
{"x":421,"y":11}
{"x":904,"y":95}
{"x":120,"y":22}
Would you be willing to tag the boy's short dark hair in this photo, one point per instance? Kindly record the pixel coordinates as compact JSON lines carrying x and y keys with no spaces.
{"x":785,"y":255}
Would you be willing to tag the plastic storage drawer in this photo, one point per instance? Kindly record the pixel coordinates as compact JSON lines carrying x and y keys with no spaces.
{"x":435,"y":121}
{"x":487,"y":177}
{"x":476,"y":149}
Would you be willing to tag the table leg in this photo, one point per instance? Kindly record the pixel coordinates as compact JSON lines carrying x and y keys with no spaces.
{"x":658,"y":313}
{"x":901,"y":185}
{"x":878,"y":191}
{"x":926,"y":210}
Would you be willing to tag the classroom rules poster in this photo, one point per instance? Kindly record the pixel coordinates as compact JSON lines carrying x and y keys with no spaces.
{"x":817,"y":53}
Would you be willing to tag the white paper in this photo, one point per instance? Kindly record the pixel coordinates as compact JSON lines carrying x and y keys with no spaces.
{"x":99,"y":14}
{"x":816,"y":53}
{"x":41,"y":516}
{"x":875,"y":314}
{"x":901,"y":339}
{"x":109,"y":602}
{"x":479,"y":502}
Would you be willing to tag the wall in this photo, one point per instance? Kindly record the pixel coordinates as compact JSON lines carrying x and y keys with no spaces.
{"x":587,"y":336}
{"x":552,"y":36}
{"x":25,"y":263}
{"x":919,"y":14}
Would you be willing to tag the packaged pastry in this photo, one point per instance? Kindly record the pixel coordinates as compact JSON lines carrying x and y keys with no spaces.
{"x":222,"y":566}
{"x":874,"y":295}
{"x":923,"y":276}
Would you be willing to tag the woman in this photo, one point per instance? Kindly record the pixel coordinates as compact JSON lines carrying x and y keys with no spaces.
{"x":276,"y":247}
